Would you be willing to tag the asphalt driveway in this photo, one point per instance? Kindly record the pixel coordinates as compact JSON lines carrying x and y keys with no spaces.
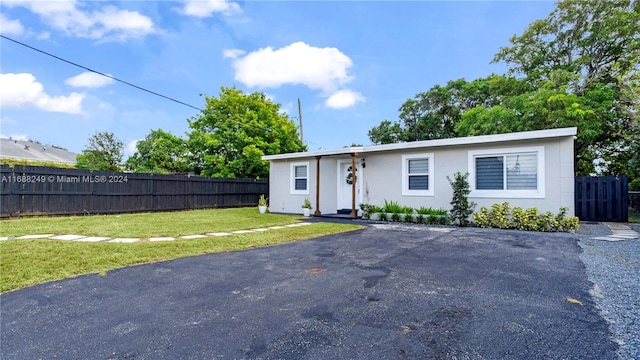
{"x":385,"y":292}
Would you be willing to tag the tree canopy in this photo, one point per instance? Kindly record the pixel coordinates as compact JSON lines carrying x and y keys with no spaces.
{"x":234,"y":131}
{"x":161,"y":152}
{"x":104,"y":152}
{"x":577,"y":67}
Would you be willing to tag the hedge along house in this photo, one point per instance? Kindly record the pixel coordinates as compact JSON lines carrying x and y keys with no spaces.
{"x":526,"y":169}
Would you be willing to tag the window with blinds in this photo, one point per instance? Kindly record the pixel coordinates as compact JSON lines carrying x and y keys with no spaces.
{"x":507,"y":172}
{"x":300,"y":178}
{"x":417,"y":174}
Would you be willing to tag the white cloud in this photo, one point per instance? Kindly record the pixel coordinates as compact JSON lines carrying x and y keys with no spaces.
{"x":10,"y":27}
{"x":106,"y":23}
{"x":232,"y":53}
{"x":297,"y":64}
{"x":89,"y":80}
{"x":18,"y":90}
{"x":343,"y":99}
{"x":131,"y":147}
{"x":206,"y":8}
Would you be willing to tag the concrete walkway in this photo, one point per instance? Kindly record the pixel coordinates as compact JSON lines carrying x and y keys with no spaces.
{"x":620,"y":232}
{"x":83,"y":238}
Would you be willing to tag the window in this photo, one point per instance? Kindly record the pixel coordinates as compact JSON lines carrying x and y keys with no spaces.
{"x":507,"y":172}
{"x":300,"y":178}
{"x":417,"y":174}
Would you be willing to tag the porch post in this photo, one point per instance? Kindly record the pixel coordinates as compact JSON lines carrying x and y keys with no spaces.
{"x":317,"y":212}
{"x":354,"y":213}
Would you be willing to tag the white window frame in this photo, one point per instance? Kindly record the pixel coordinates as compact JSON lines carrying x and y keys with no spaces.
{"x":292,"y":176}
{"x":405,"y":174}
{"x":539,"y":193}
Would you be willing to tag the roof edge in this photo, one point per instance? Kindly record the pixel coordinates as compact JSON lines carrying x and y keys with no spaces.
{"x":481,"y":139}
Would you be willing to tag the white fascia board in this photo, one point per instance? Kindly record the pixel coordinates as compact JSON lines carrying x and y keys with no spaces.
{"x":470,"y":140}
{"x":473,"y":140}
{"x":311,"y":154}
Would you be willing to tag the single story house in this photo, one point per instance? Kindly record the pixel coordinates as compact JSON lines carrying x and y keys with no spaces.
{"x":526,"y":169}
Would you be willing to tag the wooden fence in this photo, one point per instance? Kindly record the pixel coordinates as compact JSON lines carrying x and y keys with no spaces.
{"x":33,"y":190}
{"x":604,"y":198}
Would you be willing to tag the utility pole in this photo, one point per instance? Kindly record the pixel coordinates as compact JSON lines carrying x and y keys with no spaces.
{"x":300,"y":118}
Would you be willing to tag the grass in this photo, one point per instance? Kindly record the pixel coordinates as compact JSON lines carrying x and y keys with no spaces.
{"x":29,"y":262}
{"x":146,"y":225}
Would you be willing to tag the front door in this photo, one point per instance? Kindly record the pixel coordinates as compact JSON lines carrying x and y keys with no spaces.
{"x":346,"y":177}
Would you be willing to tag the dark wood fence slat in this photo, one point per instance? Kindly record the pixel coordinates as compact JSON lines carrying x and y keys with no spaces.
{"x":604,"y":198}
{"x":75,"y":191}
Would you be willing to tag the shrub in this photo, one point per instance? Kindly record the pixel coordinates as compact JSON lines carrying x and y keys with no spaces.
{"x":481,"y":218}
{"x":392,"y":207}
{"x":461,"y":207}
{"x":375,"y":209}
{"x":503,"y":217}
{"x":408,"y":210}
{"x":500,"y":215}
{"x":431,"y":211}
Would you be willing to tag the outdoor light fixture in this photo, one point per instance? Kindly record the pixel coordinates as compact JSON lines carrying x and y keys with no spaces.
{"x":363,"y":164}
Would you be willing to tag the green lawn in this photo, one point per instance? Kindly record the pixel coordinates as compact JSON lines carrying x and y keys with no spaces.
{"x":146,"y":225}
{"x":29,"y":262}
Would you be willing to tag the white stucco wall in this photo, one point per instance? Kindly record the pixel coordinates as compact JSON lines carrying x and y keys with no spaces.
{"x":382,"y":177}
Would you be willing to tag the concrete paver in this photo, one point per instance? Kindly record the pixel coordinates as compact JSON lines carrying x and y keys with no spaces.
{"x":124,"y":240}
{"x":153,"y":239}
{"x":67,"y":237}
{"x":93,"y":239}
{"x":35,"y":236}
{"x":620,"y":232}
{"x":162,"y":238}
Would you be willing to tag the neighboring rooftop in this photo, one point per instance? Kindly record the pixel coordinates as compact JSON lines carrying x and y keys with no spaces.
{"x":33,"y":151}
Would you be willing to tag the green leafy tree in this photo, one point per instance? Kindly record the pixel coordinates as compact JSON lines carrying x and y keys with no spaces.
{"x":235,"y":130}
{"x":434,"y":114}
{"x":577,"y":67}
{"x":161,"y":152}
{"x":598,"y":40}
{"x":104,"y":152}
{"x":589,"y":49}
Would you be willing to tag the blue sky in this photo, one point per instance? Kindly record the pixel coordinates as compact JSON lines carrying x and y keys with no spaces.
{"x":352,"y":63}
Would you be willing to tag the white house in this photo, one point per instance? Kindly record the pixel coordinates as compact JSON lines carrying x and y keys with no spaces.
{"x":526,"y":169}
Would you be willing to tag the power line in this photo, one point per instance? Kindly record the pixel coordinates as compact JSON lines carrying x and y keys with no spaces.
{"x":100,"y":73}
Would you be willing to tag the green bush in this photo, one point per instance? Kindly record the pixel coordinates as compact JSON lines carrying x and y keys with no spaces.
{"x":392,"y":207}
{"x":406,"y":210}
{"x":500,"y":215}
{"x":504,"y":217}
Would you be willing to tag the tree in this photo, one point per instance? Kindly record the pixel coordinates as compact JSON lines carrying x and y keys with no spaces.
{"x":548,"y":107}
{"x":589,"y":51}
{"x":598,"y":40}
{"x":578,"y":67}
{"x":234,"y":131}
{"x":161,"y":152}
{"x":434,"y":114}
{"x":104,"y":152}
